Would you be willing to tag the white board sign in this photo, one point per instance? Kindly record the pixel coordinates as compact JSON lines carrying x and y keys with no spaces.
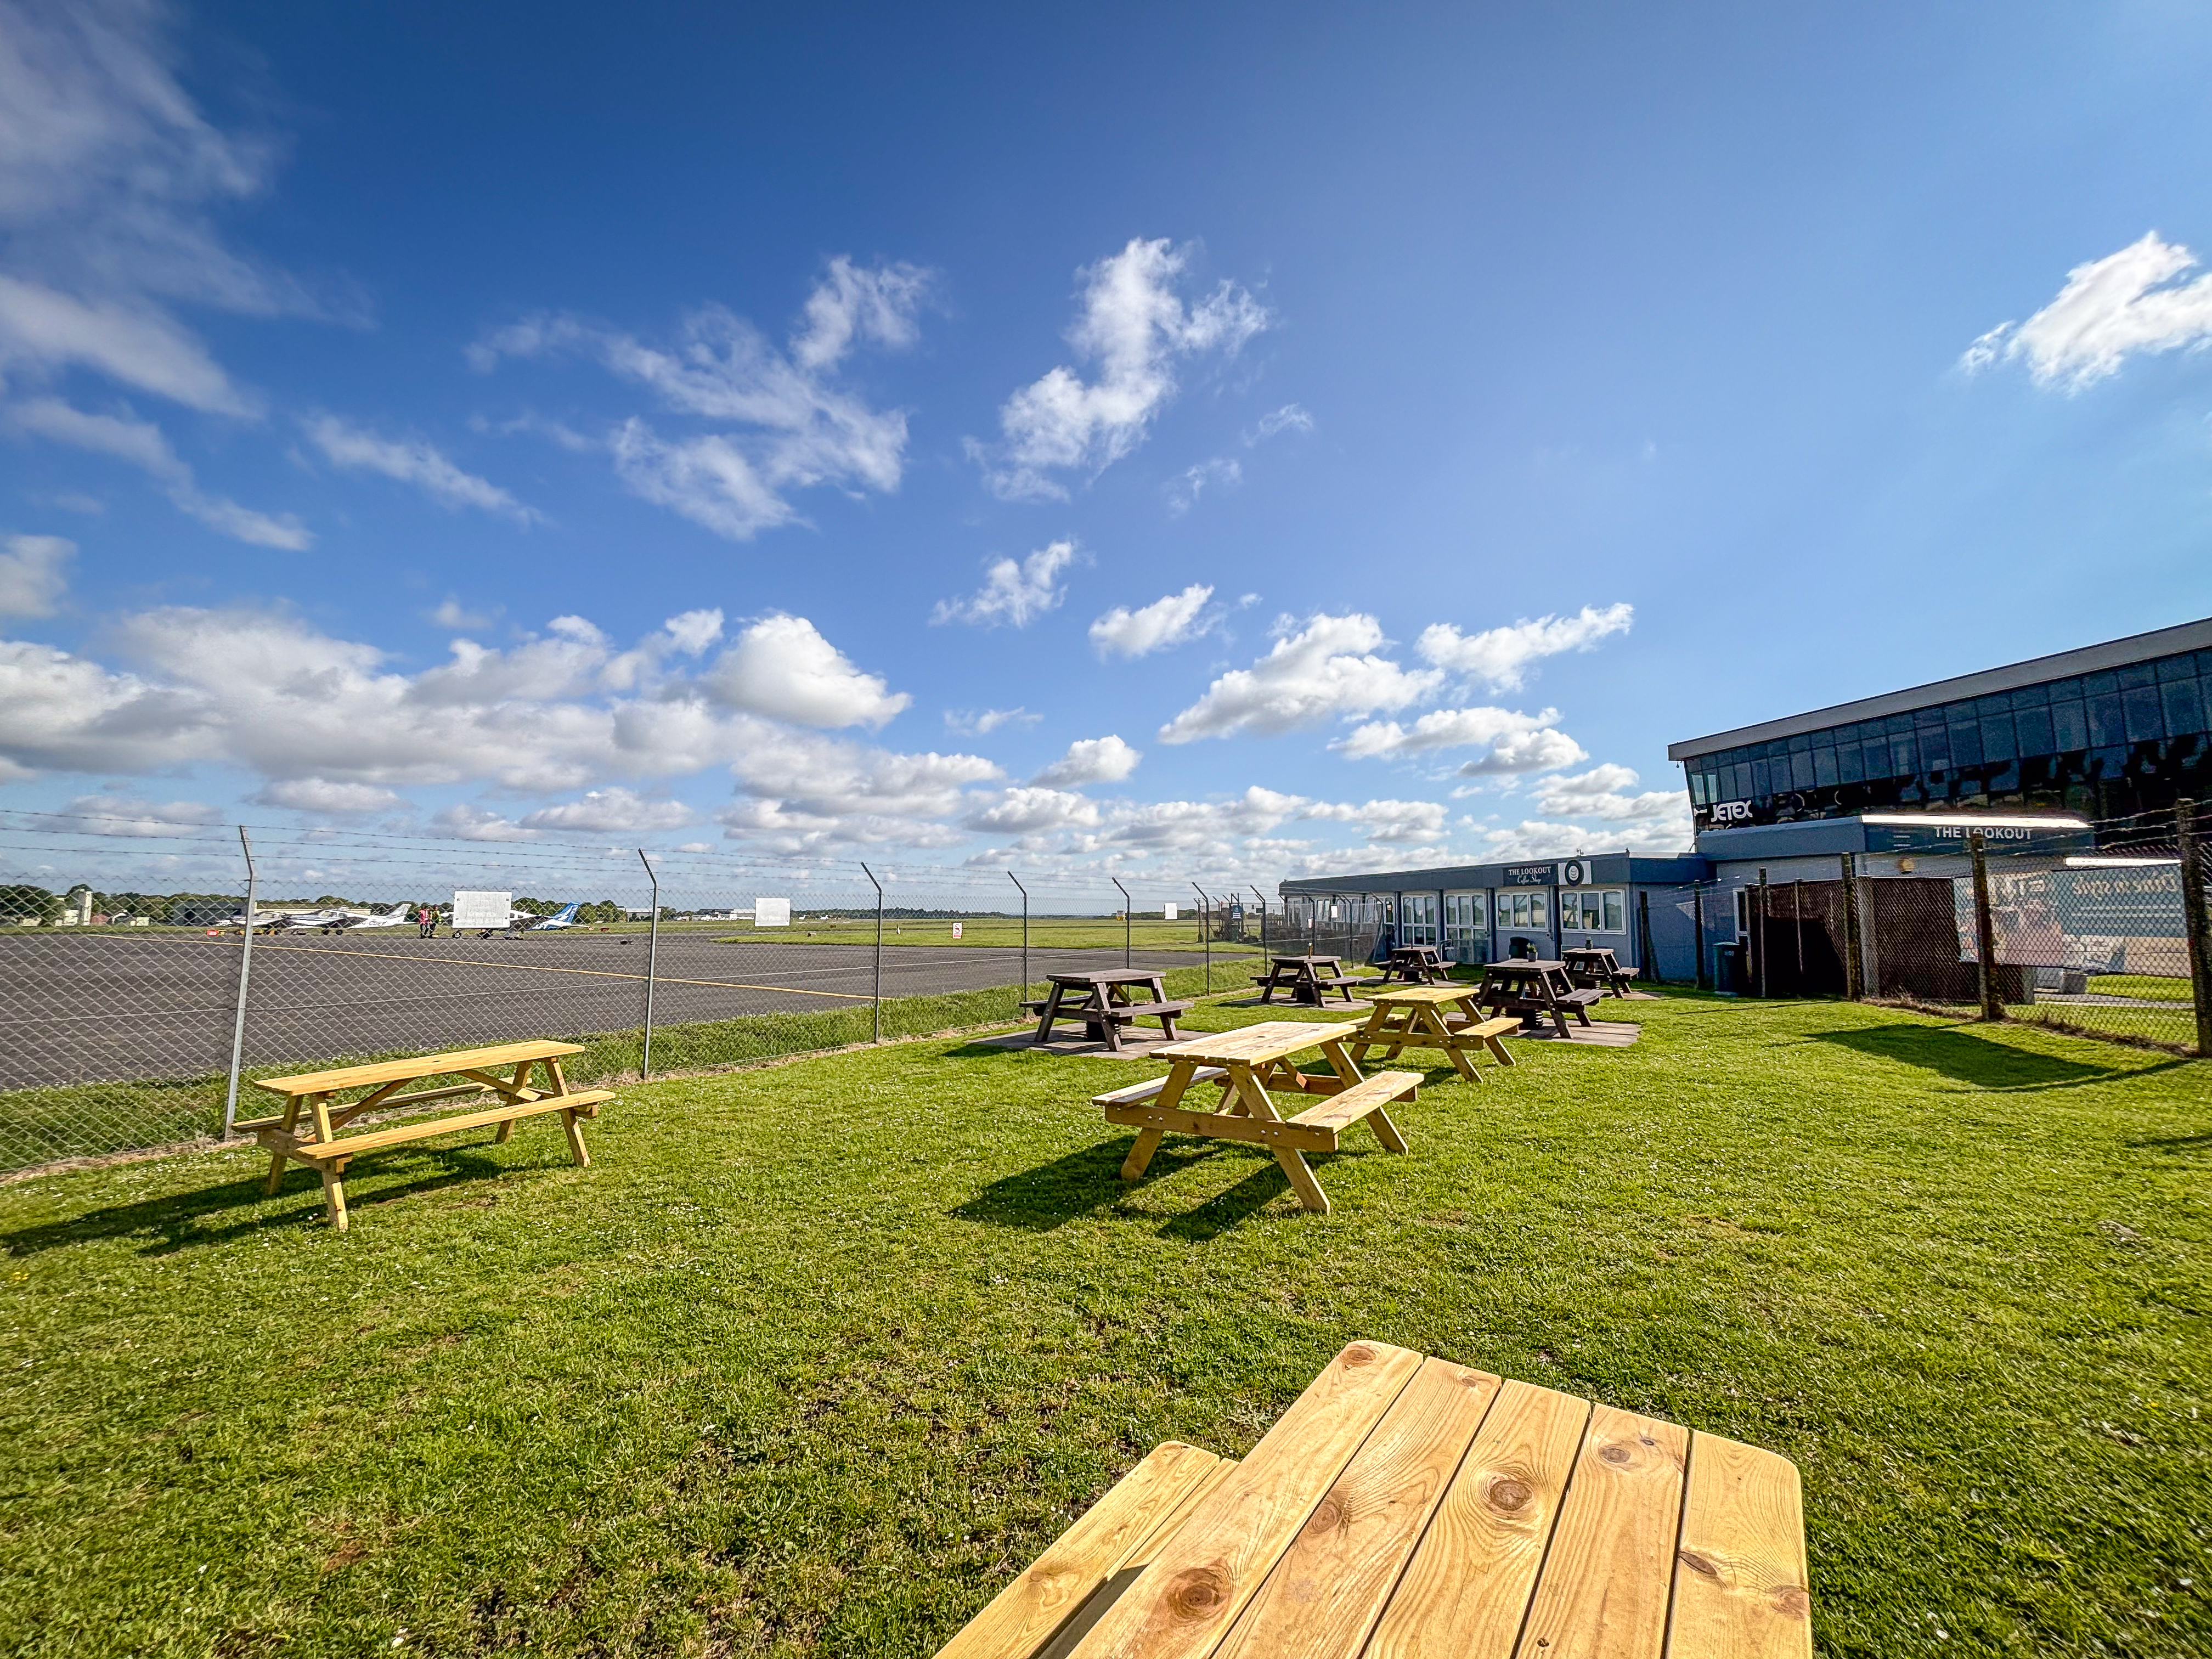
{"x":956,"y":930}
{"x":1167,"y":913}
{"x":771,"y":913}
{"x":482,"y":909}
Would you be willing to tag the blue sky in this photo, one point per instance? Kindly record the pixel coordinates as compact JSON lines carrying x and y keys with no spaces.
{"x":1255,"y":441}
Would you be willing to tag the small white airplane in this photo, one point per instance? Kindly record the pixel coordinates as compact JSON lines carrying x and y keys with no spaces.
{"x":399,"y":916}
{"x":563,"y":917}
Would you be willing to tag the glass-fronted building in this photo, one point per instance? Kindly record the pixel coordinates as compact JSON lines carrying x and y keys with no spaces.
{"x":2105,"y":731}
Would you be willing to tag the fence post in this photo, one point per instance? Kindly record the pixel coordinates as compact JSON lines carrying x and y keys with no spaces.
{"x":876,"y":986}
{"x":1854,"y":967}
{"x":244,"y":978}
{"x":1128,"y":917}
{"x":1759,"y":936}
{"x":2194,"y":917}
{"x":1697,"y":929}
{"x":1205,"y":932}
{"x":1024,"y":892}
{"x":1985,"y":934}
{"x":1263,"y":897}
{"x":652,"y":965}
{"x":1647,"y":959}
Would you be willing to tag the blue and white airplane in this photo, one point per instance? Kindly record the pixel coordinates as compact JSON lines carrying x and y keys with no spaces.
{"x":563,"y":917}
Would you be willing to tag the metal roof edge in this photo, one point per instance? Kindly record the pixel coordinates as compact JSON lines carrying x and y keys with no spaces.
{"x":2083,"y":659}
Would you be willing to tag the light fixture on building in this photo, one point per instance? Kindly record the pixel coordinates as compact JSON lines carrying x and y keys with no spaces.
{"x":1973,"y":821}
{"x":2108,"y":861}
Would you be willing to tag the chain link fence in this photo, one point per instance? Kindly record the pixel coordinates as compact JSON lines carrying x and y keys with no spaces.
{"x":2097,"y":943}
{"x":150,"y":973}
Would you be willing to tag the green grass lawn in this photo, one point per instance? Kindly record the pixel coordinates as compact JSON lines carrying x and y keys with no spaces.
{"x":815,"y":1357}
{"x":2153,"y":988}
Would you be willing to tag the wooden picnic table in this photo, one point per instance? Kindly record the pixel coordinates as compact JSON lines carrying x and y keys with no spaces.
{"x":318,"y":1144}
{"x":1417,"y":964}
{"x":1534,"y":990}
{"x":1594,"y":966}
{"x":1308,"y":979}
{"x":1105,"y":1001}
{"x":1247,"y":1063}
{"x":1443,"y":1017}
{"x":1410,"y":1508}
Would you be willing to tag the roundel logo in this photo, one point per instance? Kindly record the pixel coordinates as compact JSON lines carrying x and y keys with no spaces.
{"x":1573,"y":873}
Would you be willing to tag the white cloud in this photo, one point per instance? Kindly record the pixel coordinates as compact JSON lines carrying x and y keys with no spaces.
{"x":123,"y":814}
{"x":143,"y":445}
{"x":1122,"y":632}
{"x":1290,"y":417}
{"x":1501,"y":656}
{"x":272,"y":695}
{"x":321,"y":795}
{"x":613,"y":808}
{"x":412,"y":462}
{"x":2110,"y":309}
{"x":1025,"y":811}
{"x":798,"y":792}
{"x":1092,"y":760}
{"x":1441,"y":729}
{"x":1134,"y":326}
{"x":1387,"y":823}
{"x":1183,"y":493}
{"x":1326,"y":668}
{"x":480,"y":823}
{"x":783,"y":668}
{"x":1533,"y":751}
{"x":693,"y":631}
{"x":1017,"y":593}
{"x":796,"y":428}
{"x":1601,"y":793}
{"x":31,"y":573}
{"x":982,"y":725}
{"x":450,"y":612}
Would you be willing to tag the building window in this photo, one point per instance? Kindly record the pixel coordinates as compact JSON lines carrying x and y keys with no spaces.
{"x":1467,"y":927}
{"x":1417,"y":919}
{"x":1523,"y":910}
{"x":1602,"y":911}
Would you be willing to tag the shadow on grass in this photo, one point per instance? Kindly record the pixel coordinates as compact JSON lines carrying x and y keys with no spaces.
{"x":1967,"y":1057}
{"x":173,"y":1224}
{"x":1082,"y":1183}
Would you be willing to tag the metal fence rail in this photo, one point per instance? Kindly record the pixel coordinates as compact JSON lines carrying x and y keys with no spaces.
{"x":136,"y":1007}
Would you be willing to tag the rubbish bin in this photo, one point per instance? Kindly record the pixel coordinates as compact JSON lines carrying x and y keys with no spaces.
{"x":1732,"y":969}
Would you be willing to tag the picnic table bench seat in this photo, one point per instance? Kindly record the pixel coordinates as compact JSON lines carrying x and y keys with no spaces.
{"x":1405,"y":1507}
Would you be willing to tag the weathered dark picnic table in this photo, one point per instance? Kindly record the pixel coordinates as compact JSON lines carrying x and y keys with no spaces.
{"x":1417,"y":964}
{"x":1534,"y":990}
{"x":1305,"y":978}
{"x":1106,"y":1001}
{"x":1594,"y":966}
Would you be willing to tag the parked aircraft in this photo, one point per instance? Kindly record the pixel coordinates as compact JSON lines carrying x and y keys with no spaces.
{"x":399,"y":916}
{"x":563,"y":917}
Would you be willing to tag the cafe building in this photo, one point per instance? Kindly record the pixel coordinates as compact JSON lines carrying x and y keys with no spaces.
{"x":2081,"y":753}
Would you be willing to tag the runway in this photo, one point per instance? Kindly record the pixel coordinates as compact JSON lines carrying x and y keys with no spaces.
{"x":113,"y":1007}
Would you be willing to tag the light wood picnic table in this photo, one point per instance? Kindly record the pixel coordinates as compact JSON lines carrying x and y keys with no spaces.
{"x":1410,"y":1508}
{"x":317,"y":1144}
{"x":1247,"y":1063}
{"x":1443,"y":1017}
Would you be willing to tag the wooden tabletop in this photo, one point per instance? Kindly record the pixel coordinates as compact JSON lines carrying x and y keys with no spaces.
{"x":399,"y":1071}
{"x":1273,"y":1039}
{"x":1430,"y":994}
{"x":1410,"y":1508}
{"x":1284,"y":961}
{"x":1522,"y":965}
{"x":1106,"y":976}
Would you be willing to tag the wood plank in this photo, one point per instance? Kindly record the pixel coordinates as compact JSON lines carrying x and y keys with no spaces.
{"x":1025,"y":1615}
{"x":1142,"y":1091}
{"x":1740,"y":1584}
{"x":1181,"y":1605}
{"x":400,"y":1134}
{"x":1332,"y":1584}
{"x":1603,"y":1592}
{"x":1274,"y":1039}
{"x":1225,"y":1126}
{"x":1467,"y":1585}
{"x":1353,"y":1104}
{"x":1103,"y":1598}
{"x":353,"y":1077}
